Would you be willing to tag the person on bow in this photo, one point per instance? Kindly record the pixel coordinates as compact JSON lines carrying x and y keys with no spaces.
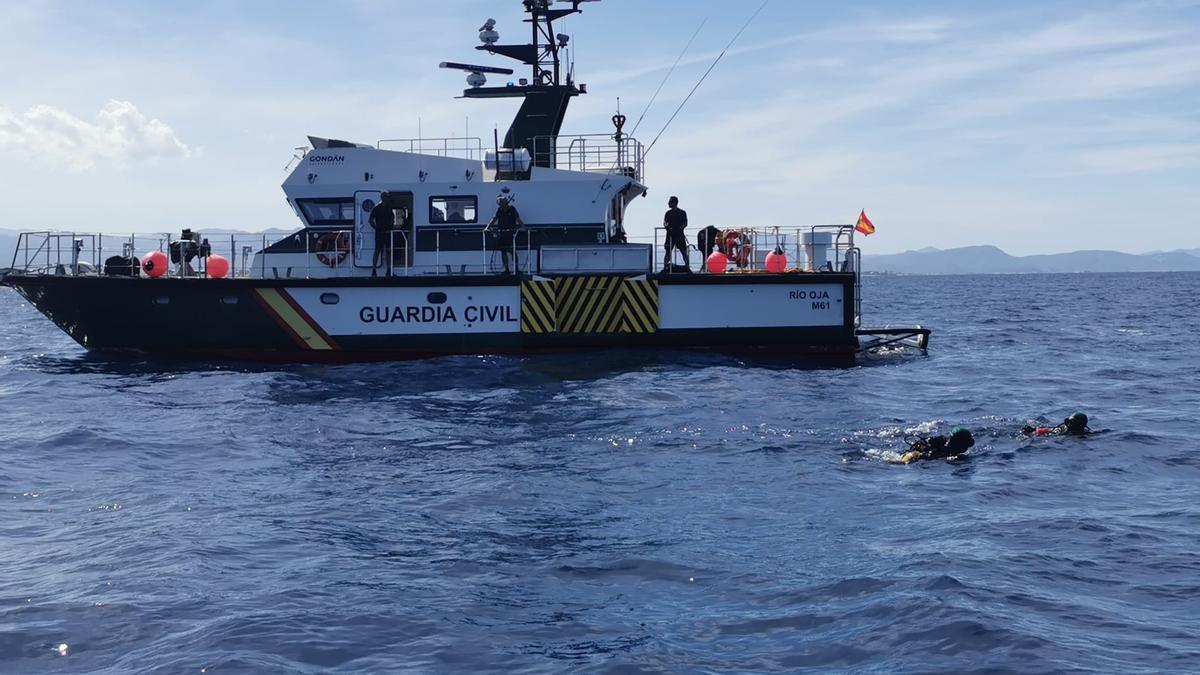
{"x":939,"y":447}
{"x":1075,"y":425}
{"x":502,"y":230}
{"x":675,"y":222}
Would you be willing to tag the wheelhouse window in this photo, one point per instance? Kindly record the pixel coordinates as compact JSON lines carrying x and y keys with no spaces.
{"x":335,"y":212}
{"x":453,"y":210}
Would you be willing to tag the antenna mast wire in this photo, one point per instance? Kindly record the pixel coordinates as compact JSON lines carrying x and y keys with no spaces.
{"x":669,"y":73}
{"x":706,"y":74}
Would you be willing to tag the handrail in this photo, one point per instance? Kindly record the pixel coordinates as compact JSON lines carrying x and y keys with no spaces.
{"x":857,"y":253}
{"x":462,"y":147}
{"x":765,"y":238}
{"x":293,"y":256}
{"x":572,"y":153}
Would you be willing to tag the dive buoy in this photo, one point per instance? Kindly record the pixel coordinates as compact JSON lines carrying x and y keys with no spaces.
{"x":777,"y":261}
{"x":332,"y":249}
{"x":218,"y":266}
{"x":717,"y":263}
{"x":154,"y":264}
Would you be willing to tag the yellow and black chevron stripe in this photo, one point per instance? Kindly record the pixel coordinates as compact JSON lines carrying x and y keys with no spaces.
{"x":606,"y":304}
{"x":296,"y":322}
{"x":538,"y":313}
{"x":640,"y":309}
{"x":589,"y":304}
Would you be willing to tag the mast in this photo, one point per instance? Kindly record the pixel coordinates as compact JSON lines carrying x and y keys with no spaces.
{"x":538,"y":122}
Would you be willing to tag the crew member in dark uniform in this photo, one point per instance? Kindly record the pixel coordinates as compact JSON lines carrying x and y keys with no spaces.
{"x":184,"y":251}
{"x":708,"y":239}
{"x":383,"y":220}
{"x":675,"y":221}
{"x":502,"y":230}
{"x":939,"y":447}
{"x":1075,"y":425}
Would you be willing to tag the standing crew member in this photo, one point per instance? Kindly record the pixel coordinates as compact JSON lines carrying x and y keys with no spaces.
{"x":502,"y":231}
{"x":383,"y":220}
{"x":675,"y":221}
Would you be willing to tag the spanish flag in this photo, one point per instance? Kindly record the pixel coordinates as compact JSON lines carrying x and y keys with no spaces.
{"x":864,"y":224}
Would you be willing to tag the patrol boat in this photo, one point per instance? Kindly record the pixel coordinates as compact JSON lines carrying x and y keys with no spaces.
{"x":435,"y":283}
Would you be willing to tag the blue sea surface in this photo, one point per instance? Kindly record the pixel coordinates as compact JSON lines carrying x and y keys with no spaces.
{"x":620,"y":512}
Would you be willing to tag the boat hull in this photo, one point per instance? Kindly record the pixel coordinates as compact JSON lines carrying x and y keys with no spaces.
{"x":357,"y":320}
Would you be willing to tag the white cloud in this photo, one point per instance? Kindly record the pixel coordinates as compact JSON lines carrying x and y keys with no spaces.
{"x":120,"y":133}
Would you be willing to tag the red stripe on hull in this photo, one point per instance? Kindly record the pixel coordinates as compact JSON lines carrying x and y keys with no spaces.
{"x":287,"y":297}
{"x":279,"y":320}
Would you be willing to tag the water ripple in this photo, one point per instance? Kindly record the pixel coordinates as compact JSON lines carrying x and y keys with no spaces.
{"x":617,"y":512}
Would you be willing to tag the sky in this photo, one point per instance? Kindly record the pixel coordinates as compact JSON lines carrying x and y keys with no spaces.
{"x":1038,"y":127}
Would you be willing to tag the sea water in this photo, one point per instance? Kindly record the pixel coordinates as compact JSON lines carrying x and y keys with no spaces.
{"x":620,"y":511}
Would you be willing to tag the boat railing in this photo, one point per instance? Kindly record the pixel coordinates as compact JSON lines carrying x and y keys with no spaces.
{"x":595,"y":153}
{"x":315,"y":254}
{"x":331,"y":253}
{"x":460,"y":148}
{"x":813,"y":249}
{"x":747,"y":248}
{"x":856,"y":256}
{"x":60,"y":253}
{"x":489,"y":259}
{"x":349,"y":260}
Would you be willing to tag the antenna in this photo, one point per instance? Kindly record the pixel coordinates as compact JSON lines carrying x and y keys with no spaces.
{"x":475,"y":69}
{"x":475,"y":78}
{"x":668,"y":76}
{"x":548,"y":88}
{"x":706,"y":74}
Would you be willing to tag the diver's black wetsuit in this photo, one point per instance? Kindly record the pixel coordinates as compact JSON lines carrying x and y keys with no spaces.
{"x":1075,"y":425}
{"x":940,"y":447}
{"x":933,"y":448}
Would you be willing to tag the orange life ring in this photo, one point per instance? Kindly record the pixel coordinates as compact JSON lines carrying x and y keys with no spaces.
{"x":332,"y":248}
{"x":737,"y":247}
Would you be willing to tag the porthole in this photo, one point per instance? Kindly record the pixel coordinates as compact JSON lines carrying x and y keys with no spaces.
{"x":229,"y":300}
{"x":436,"y":298}
{"x":162,"y":300}
{"x":330,"y":298}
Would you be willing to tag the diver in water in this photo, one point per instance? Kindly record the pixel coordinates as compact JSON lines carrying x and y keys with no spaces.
{"x":1075,"y":425}
{"x":939,"y":447}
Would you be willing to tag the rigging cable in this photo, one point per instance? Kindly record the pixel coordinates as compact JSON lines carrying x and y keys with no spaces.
{"x":706,"y":74}
{"x":669,"y":73}
{"x":645,"y":110}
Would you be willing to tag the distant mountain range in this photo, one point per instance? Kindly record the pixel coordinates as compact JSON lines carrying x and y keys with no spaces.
{"x":992,"y":260}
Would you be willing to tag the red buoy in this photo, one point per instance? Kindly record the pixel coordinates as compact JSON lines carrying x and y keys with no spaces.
{"x":776,"y":262}
{"x":218,"y":266}
{"x":154,"y":264}
{"x":717,"y":263}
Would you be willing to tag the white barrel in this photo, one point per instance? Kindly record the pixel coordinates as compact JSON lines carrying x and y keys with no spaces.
{"x":817,"y":246}
{"x":508,"y":161}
